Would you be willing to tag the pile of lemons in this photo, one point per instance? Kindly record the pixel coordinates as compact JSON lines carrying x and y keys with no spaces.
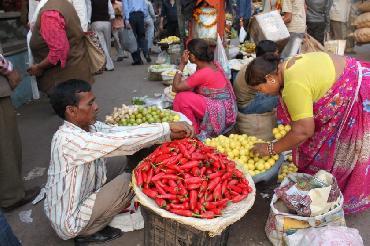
{"x":287,"y":168}
{"x":170,"y":40}
{"x":238,"y":148}
{"x":280,"y":131}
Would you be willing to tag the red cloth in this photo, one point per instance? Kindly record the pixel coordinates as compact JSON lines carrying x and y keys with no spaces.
{"x":207,"y":77}
{"x":53,"y":32}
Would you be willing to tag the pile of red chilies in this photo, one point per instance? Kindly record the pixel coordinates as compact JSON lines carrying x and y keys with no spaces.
{"x":191,"y":179}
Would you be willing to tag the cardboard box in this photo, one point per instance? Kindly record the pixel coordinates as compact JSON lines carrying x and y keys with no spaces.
{"x":269,"y":26}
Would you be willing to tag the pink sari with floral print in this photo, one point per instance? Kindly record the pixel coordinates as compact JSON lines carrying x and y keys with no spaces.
{"x":341,"y":142}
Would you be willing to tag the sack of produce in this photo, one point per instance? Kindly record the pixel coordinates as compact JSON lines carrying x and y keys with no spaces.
{"x":193,"y":184}
{"x":362,"y":20}
{"x":363,"y":6}
{"x":281,"y":222}
{"x":362,"y":35}
{"x":258,"y":125}
{"x":310,"y":44}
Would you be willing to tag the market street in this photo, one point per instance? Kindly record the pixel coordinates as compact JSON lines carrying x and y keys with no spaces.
{"x":38,"y":122}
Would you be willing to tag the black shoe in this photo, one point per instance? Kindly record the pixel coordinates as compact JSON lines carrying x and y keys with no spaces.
{"x":105,"y":235}
{"x":119,"y":59}
{"x":29,"y":196}
{"x":148,"y":59}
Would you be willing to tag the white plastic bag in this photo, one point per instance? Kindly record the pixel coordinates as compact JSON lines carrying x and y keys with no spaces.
{"x":221,"y":57}
{"x":242,"y":35}
{"x":325,"y":236}
{"x":129,"y":40}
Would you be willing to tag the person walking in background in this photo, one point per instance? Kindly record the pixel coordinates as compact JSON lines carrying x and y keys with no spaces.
{"x":295,"y":20}
{"x":101,"y":15}
{"x":339,"y":16}
{"x":169,"y":15}
{"x":117,"y":29}
{"x":58,"y":46}
{"x":244,"y":11}
{"x":7,"y":237}
{"x":318,"y":19}
{"x":135,"y":13}
{"x":12,"y":192}
{"x":149,"y":25}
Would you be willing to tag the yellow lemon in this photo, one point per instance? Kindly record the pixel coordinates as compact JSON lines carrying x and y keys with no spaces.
{"x":283,"y":132}
{"x":251,"y":167}
{"x":278,"y":136}
{"x":236,"y":152}
{"x":252,"y":173}
{"x":271,"y":161}
{"x":251,"y":162}
{"x":230,"y":155}
{"x":288,"y":128}
{"x":176,"y":117}
{"x":281,"y":127}
{"x":275,"y":131}
{"x":267,"y":166}
{"x":275,"y":157}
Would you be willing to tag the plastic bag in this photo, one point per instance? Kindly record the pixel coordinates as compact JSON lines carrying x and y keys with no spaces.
{"x":163,"y":58}
{"x":325,"y":236}
{"x":129,"y":40}
{"x":221,"y":58}
{"x":242,"y":35}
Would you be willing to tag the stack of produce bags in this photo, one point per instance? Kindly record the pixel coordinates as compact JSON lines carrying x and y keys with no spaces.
{"x":362,"y":23}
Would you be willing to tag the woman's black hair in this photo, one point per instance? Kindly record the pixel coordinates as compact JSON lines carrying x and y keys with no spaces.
{"x":201,"y":49}
{"x":260,"y":67}
{"x":66,"y":94}
{"x":265,"y":46}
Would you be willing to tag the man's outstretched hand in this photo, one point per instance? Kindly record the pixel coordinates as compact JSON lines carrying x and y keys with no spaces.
{"x":181,"y":130}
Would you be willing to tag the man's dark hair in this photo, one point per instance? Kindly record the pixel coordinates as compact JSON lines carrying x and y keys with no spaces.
{"x":66,"y":94}
{"x":266,"y":46}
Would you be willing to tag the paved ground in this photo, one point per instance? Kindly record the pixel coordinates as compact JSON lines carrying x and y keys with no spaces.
{"x":37,"y":123}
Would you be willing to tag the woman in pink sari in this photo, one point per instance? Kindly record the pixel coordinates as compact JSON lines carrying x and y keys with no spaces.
{"x":206,"y":97}
{"x":326,"y":99}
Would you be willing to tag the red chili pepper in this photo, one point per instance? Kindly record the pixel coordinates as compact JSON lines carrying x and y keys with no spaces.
{"x":203,"y":187}
{"x":172,"y":183}
{"x":182,"y":198}
{"x":169,"y":171}
{"x":161,"y":202}
{"x":234,"y":193}
{"x":238,"y":198}
{"x":150,"y":193}
{"x":139,"y":178}
{"x":177,"y":206}
{"x":235,"y":188}
{"x":209,"y":197}
{"x":160,"y":187}
{"x":189,"y":165}
{"x":182,"y":188}
{"x":186,"y":213}
{"x":233,"y":182}
{"x":184,"y":151}
{"x":186,"y":204}
{"x":209,"y":205}
{"x":238,"y":173}
{"x":202,"y":171}
{"x":224,"y":186}
{"x":209,"y":171}
{"x":183,"y":161}
{"x":216,"y":174}
{"x":195,"y":171}
{"x":197,"y":156}
{"x":196,"y":211}
{"x":167,"y":196}
{"x":193,"y":186}
{"x":158,"y":177}
{"x":145,"y":177}
{"x":213,"y":183}
{"x":201,"y":194}
{"x":150,"y":175}
{"x":217,"y":192}
{"x":193,"y":199}
{"x":227,"y":195}
{"x":226,"y":176}
{"x":217,"y":211}
{"x":170,"y":176}
{"x":193,"y":180}
{"x":161,"y":158}
{"x":207,"y":215}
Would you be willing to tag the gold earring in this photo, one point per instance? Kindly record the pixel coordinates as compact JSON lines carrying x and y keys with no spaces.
{"x":273,"y":81}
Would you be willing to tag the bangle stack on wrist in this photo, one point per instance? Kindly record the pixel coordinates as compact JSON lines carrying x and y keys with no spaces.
{"x":271,"y":148}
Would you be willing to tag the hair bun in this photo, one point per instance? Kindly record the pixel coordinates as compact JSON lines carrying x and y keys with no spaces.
{"x":271,"y":57}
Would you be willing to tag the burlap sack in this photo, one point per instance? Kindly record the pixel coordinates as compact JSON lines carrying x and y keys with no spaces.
{"x":362,"y":35}
{"x":310,"y":44}
{"x":363,"y":6}
{"x":258,"y":125}
{"x":362,"y":20}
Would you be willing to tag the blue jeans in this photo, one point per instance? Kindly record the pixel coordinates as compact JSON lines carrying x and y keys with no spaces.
{"x":7,"y":238}
{"x":260,"y":104}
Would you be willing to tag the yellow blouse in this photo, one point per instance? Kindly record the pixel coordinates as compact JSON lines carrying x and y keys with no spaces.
{"x":306,"y":81}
